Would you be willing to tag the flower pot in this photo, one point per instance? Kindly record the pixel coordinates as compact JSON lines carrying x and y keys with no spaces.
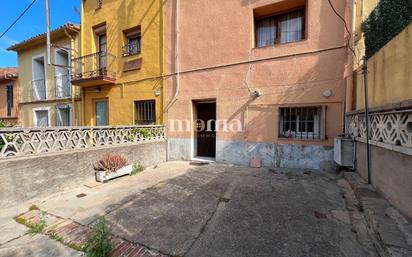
{"x":102,"y":176}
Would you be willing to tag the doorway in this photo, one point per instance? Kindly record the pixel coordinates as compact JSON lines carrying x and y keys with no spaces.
{"x":205,"y":129}
{"x":101,"y":112}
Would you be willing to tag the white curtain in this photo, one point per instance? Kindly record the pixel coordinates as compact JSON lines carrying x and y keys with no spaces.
{"x":291,"y":26}
{"x":266,"y":32}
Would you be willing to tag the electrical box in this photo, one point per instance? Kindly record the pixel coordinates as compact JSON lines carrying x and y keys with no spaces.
{"x":343,"y":153}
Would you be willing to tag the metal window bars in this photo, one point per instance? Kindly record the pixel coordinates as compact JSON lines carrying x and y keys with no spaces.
{"x":300,"y":122}
{"x":145,"y":112}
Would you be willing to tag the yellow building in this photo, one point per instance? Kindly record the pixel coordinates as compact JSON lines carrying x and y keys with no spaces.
{"x":121,"y":64}
{"x":47,"y":97}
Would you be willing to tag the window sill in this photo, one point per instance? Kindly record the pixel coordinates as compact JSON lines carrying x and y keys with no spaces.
{"x":318,"y":140}
{"x":128,"y":55}
{"x":277,"y":45}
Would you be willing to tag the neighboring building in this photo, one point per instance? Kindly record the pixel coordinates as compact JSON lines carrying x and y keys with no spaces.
{"x":275,"y":67}
{"x":390,"y":105}
{"x":9,"y":96}
{"x":121,"y":64}
{"x":47,"y":96}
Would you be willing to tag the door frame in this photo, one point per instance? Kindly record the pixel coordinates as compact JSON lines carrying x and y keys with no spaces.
{"x":94,"y":101}
{"x":194,"y":132}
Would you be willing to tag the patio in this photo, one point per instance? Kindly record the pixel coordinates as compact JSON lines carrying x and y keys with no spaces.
{"x":191,"y":209}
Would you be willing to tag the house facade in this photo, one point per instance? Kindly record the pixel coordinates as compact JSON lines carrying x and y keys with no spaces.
{"x":389,"y":84}
{"x":265,"y":80}
{"x":121,"y":63}
{"x":9,"y":96}
{"x":47,"y":97}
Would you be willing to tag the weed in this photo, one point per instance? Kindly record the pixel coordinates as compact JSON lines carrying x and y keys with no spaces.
{"x":137,"y":168}
{"x":98,"y":244}
{"x":56,"y":237}
{"x":38,"y":227}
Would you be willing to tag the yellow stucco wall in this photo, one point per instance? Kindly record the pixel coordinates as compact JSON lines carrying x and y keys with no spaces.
{"x":389,"y":73}
{"x":25,"y":60}
{"x":133,"y":85}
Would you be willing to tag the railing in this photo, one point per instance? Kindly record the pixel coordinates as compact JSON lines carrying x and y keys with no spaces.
{"x":391,"y":129}
{"x":131,"y":48}
{"x":101,"y":64}
{"x":31,"y":141}
{"x":38,"y":89}
{"x":63,"y":88}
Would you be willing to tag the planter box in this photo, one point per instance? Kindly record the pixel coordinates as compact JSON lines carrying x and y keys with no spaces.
{"x":102,"y":176}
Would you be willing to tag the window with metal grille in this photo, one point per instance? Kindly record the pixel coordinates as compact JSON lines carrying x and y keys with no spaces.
{"x":145,"y":112}
{"x":9,"y":90}
{"x":133,"y":41}
{"x":300,"y":122}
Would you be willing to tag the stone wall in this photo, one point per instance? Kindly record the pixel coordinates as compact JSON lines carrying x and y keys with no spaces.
{"x":391,"y":174}
{"x":25,"y":178}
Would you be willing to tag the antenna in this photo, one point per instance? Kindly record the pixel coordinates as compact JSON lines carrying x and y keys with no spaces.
{"x":48,"y":32}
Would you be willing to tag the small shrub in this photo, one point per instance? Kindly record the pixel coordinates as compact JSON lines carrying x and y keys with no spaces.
{"x":98,"y":244}
{"x":38,"y":227}
{"x":110,"y":163}
{"x":137,"y":168}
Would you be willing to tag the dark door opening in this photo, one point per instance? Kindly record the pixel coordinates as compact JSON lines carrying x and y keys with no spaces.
{"x":206,"y":129}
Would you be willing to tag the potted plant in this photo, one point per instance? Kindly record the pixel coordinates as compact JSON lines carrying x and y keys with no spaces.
{"x":111,"y":166}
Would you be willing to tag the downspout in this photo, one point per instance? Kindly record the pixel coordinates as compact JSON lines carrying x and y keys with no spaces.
{"x":177,"y":71}
{"x":368,"y":150}
{"x":72,"y":44}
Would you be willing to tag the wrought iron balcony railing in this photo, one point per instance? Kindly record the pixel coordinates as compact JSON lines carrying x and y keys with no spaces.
{"x":63,"y":86}
{"x":100,"y":65}
{"x":39,"y":89}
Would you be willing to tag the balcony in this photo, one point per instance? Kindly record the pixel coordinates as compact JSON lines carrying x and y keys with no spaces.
{"x":63,"y":86}
{"x":94,"y":70}
{"x":39,"y":90}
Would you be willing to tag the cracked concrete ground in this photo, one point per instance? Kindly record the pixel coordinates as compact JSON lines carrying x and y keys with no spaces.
{"x":220,"y":210}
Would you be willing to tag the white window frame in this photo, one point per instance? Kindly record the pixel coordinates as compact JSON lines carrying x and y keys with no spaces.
{"x":56,"y":68}
{"x":45,"y":72}
{"x":41,"y":109}
{"x":64,"y":106}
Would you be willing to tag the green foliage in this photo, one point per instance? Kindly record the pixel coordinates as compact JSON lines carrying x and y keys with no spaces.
{"x":38,"y":227}
{"x":99,"y":244}
{"x":386,"y":21}
{"x":137,"y":168}
{"x":142,"y":133}
{"x":2,"y":124}
{"x":56,"y":237}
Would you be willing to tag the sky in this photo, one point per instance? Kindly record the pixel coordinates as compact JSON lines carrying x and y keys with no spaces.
{"x":32,"y":23}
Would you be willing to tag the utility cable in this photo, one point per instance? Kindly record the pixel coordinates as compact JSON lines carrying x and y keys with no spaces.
{"x":346,"y":26}
{"x":18,"y":18}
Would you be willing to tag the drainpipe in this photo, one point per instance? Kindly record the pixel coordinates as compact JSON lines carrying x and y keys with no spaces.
{"x":177,"y":67}
{"x":368,"y":150}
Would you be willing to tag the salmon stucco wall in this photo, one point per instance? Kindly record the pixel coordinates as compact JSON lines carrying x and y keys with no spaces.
{"x":219,"y":61}
{"x":145,"y":83}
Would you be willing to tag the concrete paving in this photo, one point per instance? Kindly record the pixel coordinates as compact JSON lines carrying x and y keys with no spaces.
{"x":37,"y":246}
{"x":182,"y":209}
